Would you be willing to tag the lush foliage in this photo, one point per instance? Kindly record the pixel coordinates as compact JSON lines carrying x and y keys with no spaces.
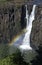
{"x":14,"y":59}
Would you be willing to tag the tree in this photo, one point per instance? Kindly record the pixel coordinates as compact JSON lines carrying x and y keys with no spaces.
{"x":18,"y":59}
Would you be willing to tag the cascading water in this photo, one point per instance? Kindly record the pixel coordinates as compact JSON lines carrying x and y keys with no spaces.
{"x":26,"y":41}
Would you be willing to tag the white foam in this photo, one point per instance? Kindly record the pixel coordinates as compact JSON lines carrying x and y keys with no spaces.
{"x":25,"y":47}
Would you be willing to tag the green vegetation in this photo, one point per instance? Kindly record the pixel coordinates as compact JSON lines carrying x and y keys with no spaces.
{"x":14,"y":59}
{"x":4,"y":50}
{"x":17,"y":58}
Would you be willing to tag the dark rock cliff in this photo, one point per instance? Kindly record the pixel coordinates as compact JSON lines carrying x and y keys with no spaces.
{"x":11,"y":22}
{"x":36,"y":35}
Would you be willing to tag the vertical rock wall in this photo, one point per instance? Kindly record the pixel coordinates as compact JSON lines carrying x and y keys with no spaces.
{"x":36,"y":35}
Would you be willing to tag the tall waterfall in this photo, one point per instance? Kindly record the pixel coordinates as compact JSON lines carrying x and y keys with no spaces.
{"x":26,"y":41}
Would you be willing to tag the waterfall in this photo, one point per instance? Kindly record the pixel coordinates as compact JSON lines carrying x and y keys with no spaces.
{"x":26,"y":41}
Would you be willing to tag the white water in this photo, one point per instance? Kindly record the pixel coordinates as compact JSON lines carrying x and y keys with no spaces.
{"x":26,"y":41}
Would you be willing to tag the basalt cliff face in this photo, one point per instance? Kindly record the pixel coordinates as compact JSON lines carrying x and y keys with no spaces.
{"x":12,"y":21}
{"x":9,"y":22}
{"x":36,"y":35}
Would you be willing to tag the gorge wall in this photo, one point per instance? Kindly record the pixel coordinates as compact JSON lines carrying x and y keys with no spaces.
{"x":36,"y":35}
{"x":12,"y":21}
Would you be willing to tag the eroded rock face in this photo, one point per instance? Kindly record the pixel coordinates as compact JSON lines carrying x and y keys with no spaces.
{"x":10,"y":22}
{"x":36,"y":35}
